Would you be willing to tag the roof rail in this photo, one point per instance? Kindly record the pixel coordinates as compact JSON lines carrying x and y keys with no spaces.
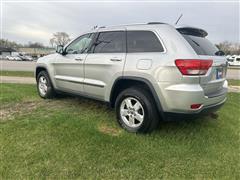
{"x":156,"y":23}
{"x":133,"y":24}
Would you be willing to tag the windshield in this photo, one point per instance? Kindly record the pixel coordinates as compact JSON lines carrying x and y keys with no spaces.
{"x":201,"y":45}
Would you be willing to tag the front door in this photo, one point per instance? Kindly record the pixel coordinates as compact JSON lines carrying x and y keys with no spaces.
{"x":68,"y":68}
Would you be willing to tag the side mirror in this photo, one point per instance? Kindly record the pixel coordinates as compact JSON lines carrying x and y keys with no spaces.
{"x":59,"y":49}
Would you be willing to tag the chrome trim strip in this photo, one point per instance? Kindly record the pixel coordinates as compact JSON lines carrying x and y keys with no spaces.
{"x":97,"y":85}
{"x":93,"y":82}
{"x":79,"y":81}
{"x":68,"y":78}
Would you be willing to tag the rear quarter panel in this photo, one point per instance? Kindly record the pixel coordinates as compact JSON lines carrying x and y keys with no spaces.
{"x":162,"y":72}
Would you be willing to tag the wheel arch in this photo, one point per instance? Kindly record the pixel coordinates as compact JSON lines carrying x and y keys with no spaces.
{"x":39,"y":69}
{"x":122,"y":83}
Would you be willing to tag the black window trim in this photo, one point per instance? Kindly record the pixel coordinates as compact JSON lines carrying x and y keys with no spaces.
{"x":91,"y":49}
{"x":155,"y":33}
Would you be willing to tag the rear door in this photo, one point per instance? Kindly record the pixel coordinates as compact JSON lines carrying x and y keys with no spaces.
{"x":213,"y":81}
{"x":104,"y":63}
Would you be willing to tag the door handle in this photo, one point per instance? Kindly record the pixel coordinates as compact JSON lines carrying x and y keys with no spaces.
{"x":115,"y":59}
{"x":79,"y":59}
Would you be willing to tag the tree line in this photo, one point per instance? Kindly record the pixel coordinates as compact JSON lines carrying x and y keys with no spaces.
{"x":14,"y":45}
{"x":62,"y":38}
{"x":58,"y":38}
{"x":229,"y":48}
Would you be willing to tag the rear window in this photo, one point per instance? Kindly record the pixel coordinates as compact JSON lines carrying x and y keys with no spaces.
{"x":201,"y":45}
{"x":143,"y":41}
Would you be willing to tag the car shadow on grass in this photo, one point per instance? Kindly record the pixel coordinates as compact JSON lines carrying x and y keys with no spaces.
{"x":175,"y":126}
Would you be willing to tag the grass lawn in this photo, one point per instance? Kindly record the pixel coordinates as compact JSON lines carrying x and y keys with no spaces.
{"x":17,"y":73}
{"x":71,"y":137}
{"x":234,"y":82}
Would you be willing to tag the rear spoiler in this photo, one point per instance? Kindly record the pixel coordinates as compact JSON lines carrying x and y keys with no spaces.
{"x":192,"y":31}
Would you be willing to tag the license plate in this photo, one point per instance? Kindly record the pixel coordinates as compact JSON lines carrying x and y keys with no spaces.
{"x":219,"y":73}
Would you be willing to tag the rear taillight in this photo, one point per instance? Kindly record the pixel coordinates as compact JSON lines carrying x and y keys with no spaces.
{"x":193,"y":66}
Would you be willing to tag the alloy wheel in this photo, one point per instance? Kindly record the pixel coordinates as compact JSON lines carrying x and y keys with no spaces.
{"x":132,"y":112}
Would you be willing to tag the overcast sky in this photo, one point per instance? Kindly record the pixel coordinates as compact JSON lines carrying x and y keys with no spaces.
{"x":24,"y":22}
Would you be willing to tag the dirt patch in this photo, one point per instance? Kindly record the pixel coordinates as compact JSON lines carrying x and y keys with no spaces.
{"x":9,"y":112}
{"x":106,"y":129}
{"x":18,"y":80}
{"x":234,"y":89}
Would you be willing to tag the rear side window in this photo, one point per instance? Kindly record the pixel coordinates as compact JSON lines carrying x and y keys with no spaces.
{"x":201,"y":45}
{"x":110,"y":42}
{"x":143,"y":41}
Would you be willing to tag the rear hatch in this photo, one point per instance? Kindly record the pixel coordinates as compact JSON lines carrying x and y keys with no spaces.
{"x":212,"y":81}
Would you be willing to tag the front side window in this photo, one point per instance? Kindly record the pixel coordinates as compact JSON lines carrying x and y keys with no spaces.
{"x":143,"y":41}
{"x":110,"y":42}
{"x":80,"y":45}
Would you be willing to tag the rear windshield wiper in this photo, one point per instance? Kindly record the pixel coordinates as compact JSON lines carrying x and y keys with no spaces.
{"x":195,"y":43}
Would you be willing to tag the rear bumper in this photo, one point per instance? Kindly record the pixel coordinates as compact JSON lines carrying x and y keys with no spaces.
{"x":179,"y":98}
{"x":169,"y":116}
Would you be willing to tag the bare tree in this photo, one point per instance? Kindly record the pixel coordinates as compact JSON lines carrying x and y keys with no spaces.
{"x":52,"y":42}
{"x":229,"y":48}
{"x":59,"y":38}
{"x":225,"y":47}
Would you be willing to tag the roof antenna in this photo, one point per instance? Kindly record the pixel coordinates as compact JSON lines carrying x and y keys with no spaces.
{"x":178,"y":19}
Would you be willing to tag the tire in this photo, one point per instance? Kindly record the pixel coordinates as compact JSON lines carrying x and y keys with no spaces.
{"x":44,"y":86}
{"x":130,"y":116}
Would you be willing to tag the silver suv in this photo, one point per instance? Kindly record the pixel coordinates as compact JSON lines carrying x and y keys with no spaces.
{"x":146,"y":71}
